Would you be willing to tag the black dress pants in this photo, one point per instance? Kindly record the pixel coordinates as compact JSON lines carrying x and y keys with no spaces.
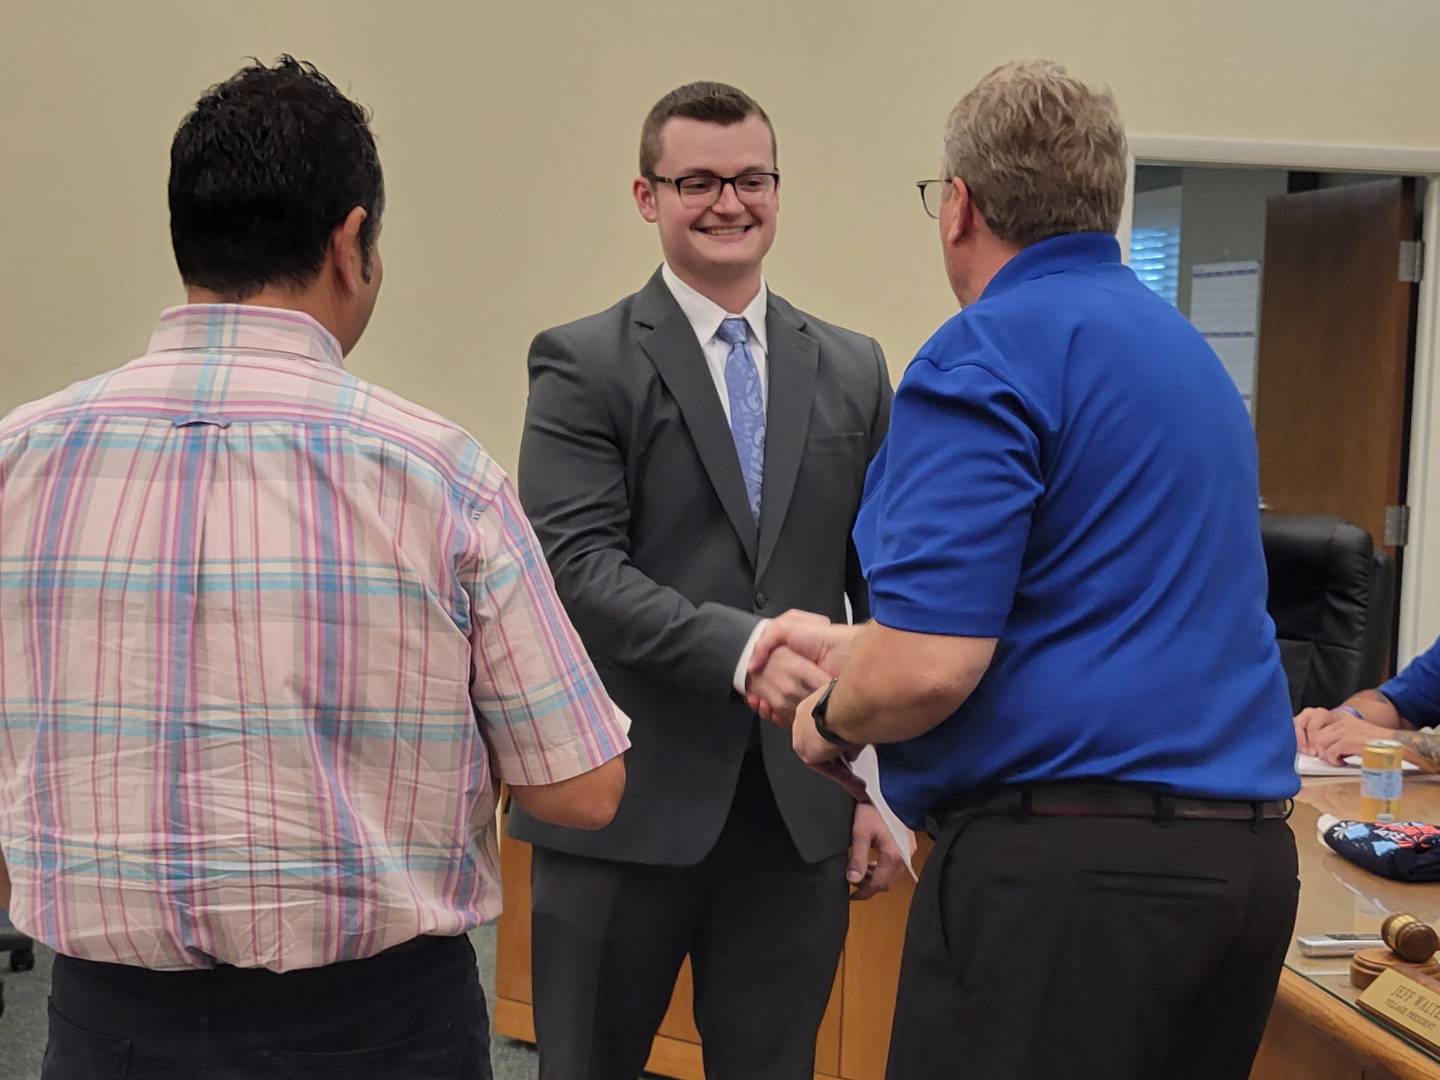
{"x":1045,"y":948}
{"x":417,"y":1012}
{"x":763,"y":930}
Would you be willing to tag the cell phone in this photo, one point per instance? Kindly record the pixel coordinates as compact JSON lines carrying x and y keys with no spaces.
{"x":1338,"y":944}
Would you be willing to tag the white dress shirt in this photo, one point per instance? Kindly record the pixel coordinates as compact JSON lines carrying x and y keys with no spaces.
{"x":705,"y":317}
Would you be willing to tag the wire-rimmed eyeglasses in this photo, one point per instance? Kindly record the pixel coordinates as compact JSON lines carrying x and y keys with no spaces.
{"x":932,"y":192}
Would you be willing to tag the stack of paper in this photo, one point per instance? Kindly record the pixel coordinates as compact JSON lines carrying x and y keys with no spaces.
{"x":1306,"y":765}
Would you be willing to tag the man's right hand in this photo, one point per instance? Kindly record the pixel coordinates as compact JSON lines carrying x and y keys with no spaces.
{"x":783,"y":677}
{"x":1332,"y":735}
{"x":786,"y":680}
{"x":820,"y":644}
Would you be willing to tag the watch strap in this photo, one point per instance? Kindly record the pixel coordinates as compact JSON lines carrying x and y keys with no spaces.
{"x":818,"y":714}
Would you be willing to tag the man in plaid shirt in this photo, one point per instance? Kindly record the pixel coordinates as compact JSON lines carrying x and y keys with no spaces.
{"x":270,"y":638}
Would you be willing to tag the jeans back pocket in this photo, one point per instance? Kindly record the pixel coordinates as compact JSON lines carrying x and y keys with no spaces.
{"x":429,"y":1055}
{"x":72,"y":1053}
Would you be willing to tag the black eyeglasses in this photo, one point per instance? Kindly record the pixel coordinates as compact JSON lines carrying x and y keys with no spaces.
{"x":932,"y":193}
{"x":705,"y":190}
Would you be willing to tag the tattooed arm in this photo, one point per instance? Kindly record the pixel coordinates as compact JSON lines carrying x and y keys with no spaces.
{"x":1421,"y":747}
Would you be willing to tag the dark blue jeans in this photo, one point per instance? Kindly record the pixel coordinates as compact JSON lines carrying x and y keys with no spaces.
{"x":415,"y":1012}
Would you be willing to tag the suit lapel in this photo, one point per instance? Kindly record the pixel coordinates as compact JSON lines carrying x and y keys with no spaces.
{"x":792,"y":359}
{"x":668,"y":340}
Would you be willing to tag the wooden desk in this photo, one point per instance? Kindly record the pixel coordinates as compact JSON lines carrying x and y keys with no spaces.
{"x":1315,"y":1032}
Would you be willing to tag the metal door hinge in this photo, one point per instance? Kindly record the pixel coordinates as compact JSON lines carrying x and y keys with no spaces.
{"x":1397,"y":526}
{"x":1412,"y":260}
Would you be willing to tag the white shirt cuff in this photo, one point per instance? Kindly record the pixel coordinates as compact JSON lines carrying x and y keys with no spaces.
{"x":742,"y":669}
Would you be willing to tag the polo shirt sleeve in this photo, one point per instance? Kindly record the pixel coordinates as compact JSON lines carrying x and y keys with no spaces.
{"x":953,"y":508}
{"x":1415,"y":692}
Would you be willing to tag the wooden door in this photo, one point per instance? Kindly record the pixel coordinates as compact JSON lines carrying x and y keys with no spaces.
{"x":1331,"y":409}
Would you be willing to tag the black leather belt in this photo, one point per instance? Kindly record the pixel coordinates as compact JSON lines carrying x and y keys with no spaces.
{"x":1100,"y":800}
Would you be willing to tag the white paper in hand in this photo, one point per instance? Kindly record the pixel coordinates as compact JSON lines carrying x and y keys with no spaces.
{"x":867,"y":767}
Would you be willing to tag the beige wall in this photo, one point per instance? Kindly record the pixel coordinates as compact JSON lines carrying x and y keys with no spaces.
{"x":508,"y":136}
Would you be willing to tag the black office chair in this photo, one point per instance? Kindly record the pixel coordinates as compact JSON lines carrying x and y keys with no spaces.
{"x":20,"y":948}
{"x":18,"y":945}
{"x":1332,"y":597}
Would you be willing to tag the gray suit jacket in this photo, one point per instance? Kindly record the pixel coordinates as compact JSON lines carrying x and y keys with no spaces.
{"x":630,"y":477}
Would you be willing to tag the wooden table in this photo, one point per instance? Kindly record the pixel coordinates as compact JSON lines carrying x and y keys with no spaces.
{"x":1315,"y":1031}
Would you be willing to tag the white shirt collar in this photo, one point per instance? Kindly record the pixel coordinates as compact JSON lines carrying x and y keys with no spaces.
{"x":705,"y":316}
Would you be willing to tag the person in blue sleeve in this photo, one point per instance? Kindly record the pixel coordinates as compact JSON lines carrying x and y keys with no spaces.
{"x":1070,"y":674}
{"x":1393,"y":710}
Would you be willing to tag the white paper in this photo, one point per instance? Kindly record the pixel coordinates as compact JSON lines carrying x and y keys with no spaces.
{"x":1306,"y":765}
{"x":1225,"y":307}
{"x":867,"y":767}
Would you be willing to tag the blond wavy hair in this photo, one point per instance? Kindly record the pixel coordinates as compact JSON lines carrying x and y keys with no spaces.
{"x":1042,"y":153}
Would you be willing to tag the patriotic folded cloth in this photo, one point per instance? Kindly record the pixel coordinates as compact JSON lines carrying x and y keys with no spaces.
{"x":1401,"y":850}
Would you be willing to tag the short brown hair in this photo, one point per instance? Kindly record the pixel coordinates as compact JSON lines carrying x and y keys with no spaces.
{"x":1042,"y":153}
{"x":712,"y":102}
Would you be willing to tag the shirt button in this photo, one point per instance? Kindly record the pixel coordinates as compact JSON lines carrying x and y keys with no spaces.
{"x":761,"y":599}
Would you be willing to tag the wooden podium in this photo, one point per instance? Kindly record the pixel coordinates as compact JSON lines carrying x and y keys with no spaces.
{"x":854,"y":1036}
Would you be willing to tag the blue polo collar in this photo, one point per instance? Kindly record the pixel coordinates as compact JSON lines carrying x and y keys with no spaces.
{"x":1073,"y":251}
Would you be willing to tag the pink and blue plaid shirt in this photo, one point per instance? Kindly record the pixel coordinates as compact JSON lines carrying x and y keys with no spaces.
{"x":269,"y":636}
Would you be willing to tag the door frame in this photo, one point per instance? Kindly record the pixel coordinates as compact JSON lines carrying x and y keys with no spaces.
{"x":1419,"y":623}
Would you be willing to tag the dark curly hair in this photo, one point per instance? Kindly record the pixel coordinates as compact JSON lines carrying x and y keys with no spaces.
{"x":262,"y":172}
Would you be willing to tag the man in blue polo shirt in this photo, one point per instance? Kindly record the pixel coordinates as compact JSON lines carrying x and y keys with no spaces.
{"x":1393,"y":710}
{"x":1070,"y":674}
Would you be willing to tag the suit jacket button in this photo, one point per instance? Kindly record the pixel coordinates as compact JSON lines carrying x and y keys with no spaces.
{"x":761,"y":599}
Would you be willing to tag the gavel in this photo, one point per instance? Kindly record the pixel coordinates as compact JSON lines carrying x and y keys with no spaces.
{"x":1409,"y":938}
{"x":1412,"y":945}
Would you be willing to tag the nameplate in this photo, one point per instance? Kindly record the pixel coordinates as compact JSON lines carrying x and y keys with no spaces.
{"x":1409,"y":1004}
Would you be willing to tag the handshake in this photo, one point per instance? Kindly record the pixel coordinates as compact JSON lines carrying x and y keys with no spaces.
{"x":796,"y":654}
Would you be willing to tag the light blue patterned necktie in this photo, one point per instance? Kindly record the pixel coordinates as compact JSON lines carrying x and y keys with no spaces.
{"x":747,"y":408}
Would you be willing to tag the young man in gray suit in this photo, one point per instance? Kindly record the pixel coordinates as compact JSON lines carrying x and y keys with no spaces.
{"x":692,"y":461}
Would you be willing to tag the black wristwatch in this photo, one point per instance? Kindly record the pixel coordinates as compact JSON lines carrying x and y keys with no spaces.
{"x":818,"y":715}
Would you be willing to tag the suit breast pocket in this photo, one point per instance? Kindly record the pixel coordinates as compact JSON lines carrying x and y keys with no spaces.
{"x":837,"y":442}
